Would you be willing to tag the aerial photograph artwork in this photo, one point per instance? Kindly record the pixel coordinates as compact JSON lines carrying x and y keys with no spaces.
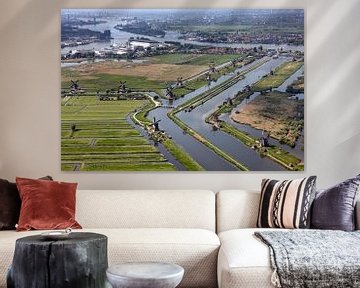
{"x":182,"y":90}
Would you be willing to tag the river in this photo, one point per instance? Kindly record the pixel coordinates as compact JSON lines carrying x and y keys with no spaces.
{"x":121,"y":37}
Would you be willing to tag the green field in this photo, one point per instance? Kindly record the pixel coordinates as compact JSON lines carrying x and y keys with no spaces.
{"x":182,"y":156}
{"x":102,"y":139}
{"x":103,"y":82}
{"x":193,"y":59}
{"x":280,"y":74}
{"x":201,"y":81}
{"x":297,"y":86}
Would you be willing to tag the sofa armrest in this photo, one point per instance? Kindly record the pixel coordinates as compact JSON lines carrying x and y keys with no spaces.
{"x":357,"y":215}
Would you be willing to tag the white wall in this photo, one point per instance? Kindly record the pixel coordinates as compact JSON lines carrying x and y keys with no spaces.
{"x":30,"y":94}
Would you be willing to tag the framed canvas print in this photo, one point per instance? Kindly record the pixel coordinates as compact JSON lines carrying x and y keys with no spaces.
{"x":182,"y":90}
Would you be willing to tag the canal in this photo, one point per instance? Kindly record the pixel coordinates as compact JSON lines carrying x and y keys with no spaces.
{"x":298,"y":149}
{"x":196,"y":120}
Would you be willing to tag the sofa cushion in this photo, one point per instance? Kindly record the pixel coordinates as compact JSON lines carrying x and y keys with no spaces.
{"x":46,"y":204}
{"x":153,"y":209}
{"x":286,"y":204}
{"x":244,"y":261}
{"x":194,"y":249}
{"x":236,"y":209}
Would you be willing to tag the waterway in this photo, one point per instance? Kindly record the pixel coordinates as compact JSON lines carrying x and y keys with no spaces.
{"x":298,"y":149}
{"x":121,"y":37}
{"x":196,"y":119}
{"x":227,"y":143}
{"x":201,"y":154}
{"x":159,"y":146}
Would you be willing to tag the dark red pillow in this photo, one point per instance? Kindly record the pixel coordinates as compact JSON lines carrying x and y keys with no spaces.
{"x":10,"y":204}
{"x":46,"y":204}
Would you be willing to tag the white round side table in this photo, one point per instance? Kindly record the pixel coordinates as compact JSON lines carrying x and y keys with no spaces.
{"x":145,"y":275}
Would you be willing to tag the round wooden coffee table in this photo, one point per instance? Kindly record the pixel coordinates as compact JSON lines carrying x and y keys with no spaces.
{"x":78,"y":261}
{"x":145,"y":275}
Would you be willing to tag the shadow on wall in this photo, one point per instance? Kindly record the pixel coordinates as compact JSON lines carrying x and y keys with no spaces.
{"x":338,"y":72}
{"x":44,"y":10}
{"x":337,"y":22}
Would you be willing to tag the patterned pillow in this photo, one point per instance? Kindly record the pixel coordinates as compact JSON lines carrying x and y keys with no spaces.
{"x":286,"y":204}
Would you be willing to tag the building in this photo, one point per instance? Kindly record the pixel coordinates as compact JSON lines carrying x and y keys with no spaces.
{"x":142,"y":43}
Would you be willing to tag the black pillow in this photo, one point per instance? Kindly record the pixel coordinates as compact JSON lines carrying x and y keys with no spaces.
{"x":10,"y":204}
{"x":334,"y":208}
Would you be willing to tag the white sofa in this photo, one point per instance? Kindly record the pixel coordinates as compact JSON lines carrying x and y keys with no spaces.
{"x":243,"y":261}
{"x":175,"y":226}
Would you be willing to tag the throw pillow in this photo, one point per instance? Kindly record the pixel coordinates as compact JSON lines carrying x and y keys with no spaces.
{"x":46,"y":204}
{"x":286,"y":204}
{"x":334,"y":208}
{"x":10,"y":204}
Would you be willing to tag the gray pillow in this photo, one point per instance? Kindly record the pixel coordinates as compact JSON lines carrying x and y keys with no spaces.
{"x":334,"y":208}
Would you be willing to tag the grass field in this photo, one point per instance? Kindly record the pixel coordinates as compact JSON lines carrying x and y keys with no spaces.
{"x":193,"y":59}
{"x":102,"y":139}
{"x":275,"y":153}
{"x":154,"y":74}
{"x":297,"y":86}
{"x":105,"y":81}
{"x":201,"y":81}
{"x":281,"y":73}
{"x":275,"y":113}
{"x":142,"y":76}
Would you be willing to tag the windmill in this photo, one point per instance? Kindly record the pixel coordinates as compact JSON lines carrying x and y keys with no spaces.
{"x":169,"y":93}
{"x":208,"y":77}
{"x":215,"y":122}
{"x":75,"y":87}
{"x":229,"y":101}
{"x":122,"y":87}
{"x":155,"y":124}
{"x":212,"y":68}
{"x":264,"y":139}
{"x":179,"y":81}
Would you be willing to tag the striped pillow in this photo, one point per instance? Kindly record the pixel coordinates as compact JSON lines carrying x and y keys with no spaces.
{"x":286,"y":204}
